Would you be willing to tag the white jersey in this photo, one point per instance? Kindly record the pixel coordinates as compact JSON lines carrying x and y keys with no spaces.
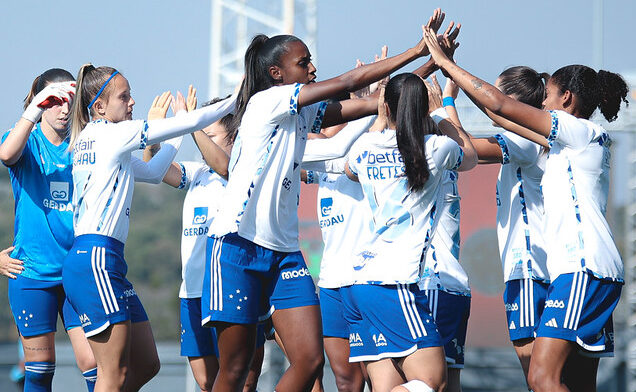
{"x":575,"y":188}
{"x":520,"y":209}
{"x":263,"y":190}
{"x":104,"y":172}
{"x":342,"y":222}
{"x":441,"y":269}
{"x":202,"y":201}
{"x":402,"y":221}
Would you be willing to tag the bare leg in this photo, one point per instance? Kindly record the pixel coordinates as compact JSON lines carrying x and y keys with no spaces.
{"x":144,"y":360}
{"x":236,"y":349}
{"x":427,"y":365}
{"x":39,"y":348}
{"x":301,"y":334}
{"x":82,"y":350}
{"x":204,"y":370}
{"x":546,"y":364}
{"x":523,"y":348}
{"x":384,"y":375}
{"x":255,"y":370}
{"x":579,"y":372}
{"x":111,"y":348}
{"x":349,"y":377}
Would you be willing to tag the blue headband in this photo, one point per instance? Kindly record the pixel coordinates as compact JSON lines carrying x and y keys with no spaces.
{"x":90,"y":105}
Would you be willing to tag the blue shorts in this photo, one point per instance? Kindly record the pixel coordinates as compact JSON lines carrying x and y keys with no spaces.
{"x":333,"y":323}
{"x":94,"y":277}
{"x":387,"y":321}
{"x":450,"y":312}
{"x":196,"y":341}
{"x":36,"y":303}
{"x":579,"y":308}
{"x":524,"y":300}
{"x":245,"y":282}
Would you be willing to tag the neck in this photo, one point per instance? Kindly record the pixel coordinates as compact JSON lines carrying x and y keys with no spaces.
{"x":55,"y":137}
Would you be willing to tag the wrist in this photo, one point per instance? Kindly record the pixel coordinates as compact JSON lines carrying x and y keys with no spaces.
{"x":448,"y":101}
{"x":32,"y":113}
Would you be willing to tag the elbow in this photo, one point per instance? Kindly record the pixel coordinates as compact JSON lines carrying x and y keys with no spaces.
{"x":470,"y":160}
{"x":7,"y":158}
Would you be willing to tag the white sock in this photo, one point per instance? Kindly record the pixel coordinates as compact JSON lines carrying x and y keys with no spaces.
{"x":417,"y":386}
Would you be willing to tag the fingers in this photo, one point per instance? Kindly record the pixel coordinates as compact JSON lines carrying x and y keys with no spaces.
{"x":452,"y":36}
{"x":154,"y":102}
{"x":385,"y":52}
{"x":435,"y":83}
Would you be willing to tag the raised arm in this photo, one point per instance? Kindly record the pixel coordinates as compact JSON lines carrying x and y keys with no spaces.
{"x":54,"y":94}
{"x":366,"y":74}
{"x":488,"y":96}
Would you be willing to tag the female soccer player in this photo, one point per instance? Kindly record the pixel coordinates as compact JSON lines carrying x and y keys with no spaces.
{"x":35,"y":151}
{"x":586,"y":271}
{"x":400,"y":170}
{"x":94,"y":273}
{"x":519,"y":211}
{"x":256,"y":266}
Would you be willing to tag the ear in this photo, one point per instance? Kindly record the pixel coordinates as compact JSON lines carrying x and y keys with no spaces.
{"x":100,"y":107}
{"x":567,"y":99}
{"x":276,"y":73}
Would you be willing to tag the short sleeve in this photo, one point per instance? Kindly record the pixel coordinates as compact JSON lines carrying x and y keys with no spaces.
{"x":27,"y":147}
{"x":356,"y":156}
{"x":518,"y":150}
{"x":569,"y":131}
{"x":126,"y":135}
{"x":189,"y":171}
{"x":317,"y":111}
{"x":277,"y":102}
{"x":446,"y":153}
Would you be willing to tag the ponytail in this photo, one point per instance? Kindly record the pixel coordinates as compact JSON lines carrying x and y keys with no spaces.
{"x":613,"y":90}
{"x":604,"y":90}
{"x":407,"y":98}
{"x":525,"y":84}
{"x":53,"y":75}
{"x":89,"y":81}
{"x":262,"y":53}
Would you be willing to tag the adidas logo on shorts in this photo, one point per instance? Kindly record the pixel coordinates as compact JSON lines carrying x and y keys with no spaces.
{"x":512,"y":325}
{"x":552,"y":303}
{"x":552,"y":323}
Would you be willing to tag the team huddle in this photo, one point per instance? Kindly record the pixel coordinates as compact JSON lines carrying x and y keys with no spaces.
{"x":393,"y":301}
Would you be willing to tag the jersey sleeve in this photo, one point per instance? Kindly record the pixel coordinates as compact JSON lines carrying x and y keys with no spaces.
{"x":154,"y":170}
{"x":569,"y":131}
{"x":27,"y":147}
{"x":517,"y":149}
{"x":189,"y":170}
{"x":125,"y":136}
{"x":277,"y":102}
{"x":446,"y":153}
{"x":356,"y":156}
{"x":338,"y":145}
{"x":329,"y":166}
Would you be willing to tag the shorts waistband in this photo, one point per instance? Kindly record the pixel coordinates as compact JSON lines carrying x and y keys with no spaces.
{"x":101,"y":240}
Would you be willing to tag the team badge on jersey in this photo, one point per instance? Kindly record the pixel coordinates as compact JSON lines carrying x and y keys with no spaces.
{"x":200,"y":215}
{"x":325,"y":206}
{"x":59,"y":190}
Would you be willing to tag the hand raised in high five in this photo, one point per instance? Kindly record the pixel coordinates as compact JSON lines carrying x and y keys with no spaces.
{"x":191,"y":101}
{"x":438,"y":55}
{"x":434,"y":94}
{"x":434,"y":23}
{"x":448,"y":40}
{"x":179,"y":104}
{"x":160,"y":106}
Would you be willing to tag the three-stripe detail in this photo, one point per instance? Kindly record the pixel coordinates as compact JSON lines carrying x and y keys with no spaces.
{"x":102,"y":280}
{"x":575,"y":303}
{"x":216,"y":293}
{"x":526,"y":303}
{"x":409,"y":309}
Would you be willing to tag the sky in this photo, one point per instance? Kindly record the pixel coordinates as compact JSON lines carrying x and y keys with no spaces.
{"x":164,"y":45}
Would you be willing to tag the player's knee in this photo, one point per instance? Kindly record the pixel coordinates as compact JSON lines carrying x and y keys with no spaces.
{"x":348,"y":378}
{"x":539,"y":379}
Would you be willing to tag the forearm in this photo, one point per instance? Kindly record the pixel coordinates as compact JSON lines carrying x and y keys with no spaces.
{"x":13,"y":146}
{"x":213,"y":155}
{"x":354,"y":79}
{"x":338,"y":145}
{"x":350,"y":109}
{"x":427,"y":69}
{"x":155,"y":170}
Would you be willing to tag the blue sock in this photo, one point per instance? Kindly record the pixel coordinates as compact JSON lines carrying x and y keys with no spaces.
{"x":91,"y":377}
{"x":38,"y":376}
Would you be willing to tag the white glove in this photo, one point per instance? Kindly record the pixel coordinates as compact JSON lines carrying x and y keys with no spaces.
{"x":51,"y":95}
